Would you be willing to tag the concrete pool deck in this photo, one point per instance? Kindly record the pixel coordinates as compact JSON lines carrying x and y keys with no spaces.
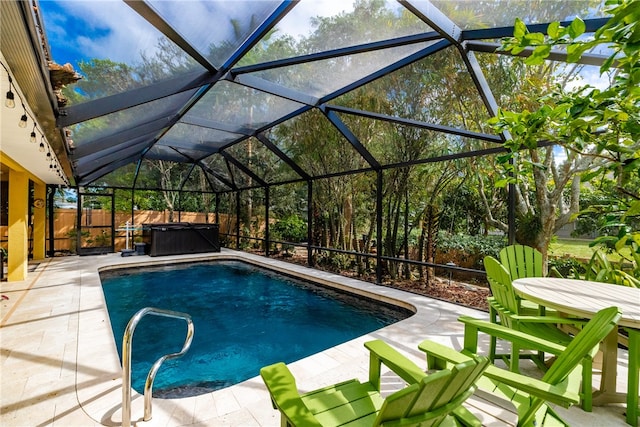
{"x":59,"y":363}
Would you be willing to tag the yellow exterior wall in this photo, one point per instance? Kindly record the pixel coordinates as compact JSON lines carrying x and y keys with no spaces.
{"x":39,"y":219}
{"x":18,"y":227}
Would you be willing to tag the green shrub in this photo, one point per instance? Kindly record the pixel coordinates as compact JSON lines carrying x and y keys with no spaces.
{"x":567,"y":266}
{"x":467,"y":251}
{"x":292,"y":229}
{"x":336,"y":262}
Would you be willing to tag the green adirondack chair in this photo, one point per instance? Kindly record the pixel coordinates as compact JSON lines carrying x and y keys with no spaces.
{"x":428,"y":400}
{"x":525,"y":261}
{"x":522,"y":261}
{"x":505,"y":308}
{"x":559,"y":385}
{"x":498,"y":274}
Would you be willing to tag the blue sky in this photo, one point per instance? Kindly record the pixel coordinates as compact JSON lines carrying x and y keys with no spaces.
{"x":81,"y":29}
{"x":58,"y":24}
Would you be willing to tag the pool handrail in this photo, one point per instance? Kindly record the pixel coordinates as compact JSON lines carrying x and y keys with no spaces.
{"x":126,"y":360}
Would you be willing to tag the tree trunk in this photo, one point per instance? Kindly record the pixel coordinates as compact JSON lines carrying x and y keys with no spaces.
{"x":423,"y":233}
{"x":432,"y":218}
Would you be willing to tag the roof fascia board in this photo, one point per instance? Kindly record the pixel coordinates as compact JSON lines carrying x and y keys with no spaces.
{"x":418,"y":124}
{"x":40,"y":59}
{"x":150,"y":15}
{"x":24,"y":55}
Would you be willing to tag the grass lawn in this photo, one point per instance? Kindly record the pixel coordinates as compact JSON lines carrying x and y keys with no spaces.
{"x":576,"y":248}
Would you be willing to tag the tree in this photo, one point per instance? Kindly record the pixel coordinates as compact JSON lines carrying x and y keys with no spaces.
{"x":603,"y":123}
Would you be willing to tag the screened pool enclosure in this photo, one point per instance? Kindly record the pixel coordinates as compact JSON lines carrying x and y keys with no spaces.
{"x":355,"y":133}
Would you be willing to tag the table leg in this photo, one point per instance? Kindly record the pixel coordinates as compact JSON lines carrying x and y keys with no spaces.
{"x":609,"y":362}
{"x":607,"y":393}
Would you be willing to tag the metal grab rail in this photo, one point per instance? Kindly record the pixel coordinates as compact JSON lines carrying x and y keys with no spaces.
{"x":126,"y":360}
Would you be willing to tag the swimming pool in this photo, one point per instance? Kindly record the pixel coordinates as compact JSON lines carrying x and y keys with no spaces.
{"x":245,"y":318}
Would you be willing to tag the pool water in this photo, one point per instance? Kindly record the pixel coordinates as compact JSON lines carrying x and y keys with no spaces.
{"x":244,"y":318}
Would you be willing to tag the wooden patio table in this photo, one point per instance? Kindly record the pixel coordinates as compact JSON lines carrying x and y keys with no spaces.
{"x":582,"y":298}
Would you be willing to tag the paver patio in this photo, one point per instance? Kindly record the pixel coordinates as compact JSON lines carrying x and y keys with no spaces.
{"x":60,"y":364}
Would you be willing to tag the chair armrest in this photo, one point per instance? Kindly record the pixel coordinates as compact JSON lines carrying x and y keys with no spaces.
{"x":285,"y":397}
{"x":524,"y":340}
{"x":550,"y":319}
{"x":382,"y":353}
{"x":534,"y":387}
{"x":442,"y":355}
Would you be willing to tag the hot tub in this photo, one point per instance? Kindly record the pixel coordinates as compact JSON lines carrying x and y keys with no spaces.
{"x":177,"y":238}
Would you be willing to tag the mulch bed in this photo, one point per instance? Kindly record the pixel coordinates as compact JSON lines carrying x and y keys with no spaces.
{"x":440,"y":288}
{"x":452,"y":291}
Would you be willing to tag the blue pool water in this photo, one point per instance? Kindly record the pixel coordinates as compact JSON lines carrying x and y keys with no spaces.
{"x":244,"y":318}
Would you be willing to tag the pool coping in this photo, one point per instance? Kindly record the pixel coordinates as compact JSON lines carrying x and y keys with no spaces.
{"x":99,"y":383}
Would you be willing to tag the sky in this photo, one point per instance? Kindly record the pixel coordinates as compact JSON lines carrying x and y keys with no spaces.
{"x":81,"y":29}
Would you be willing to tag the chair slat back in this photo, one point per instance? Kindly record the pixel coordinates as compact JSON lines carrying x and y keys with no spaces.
{"x":501,"y":288}
{"x":522,"y":261}
{"x":429,"y":402}
{"x":570,"y":359}
{"x":582,"y":344}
